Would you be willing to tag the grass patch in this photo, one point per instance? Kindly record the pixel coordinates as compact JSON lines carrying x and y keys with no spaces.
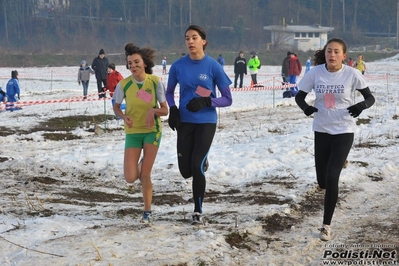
{"x":364,"y":121}
{"x":375,"y":178}
{"x":4,"y":132}
{"x":238,"y":240}
{"x":234,"y":196}
{"x":60,"y":136}
{"x":70,"y":122}
{"x":368,"y":144}
{"x":362,"y":164}
{"x":277,"y":222}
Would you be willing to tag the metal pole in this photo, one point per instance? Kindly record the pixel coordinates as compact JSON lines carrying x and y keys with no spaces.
{"x":343,"y":15}
{"x":274,"y":92}
{"x":190,"y":13}
{"x":397,"y":25}
{"x":51,"y":82}
{"x":105,"y":114}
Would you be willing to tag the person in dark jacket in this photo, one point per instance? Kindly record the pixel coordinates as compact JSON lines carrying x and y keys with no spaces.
{"x":240,"y":68}
{"x":100,"y":66}
{"x":13,"y":91}
{"x":285,"y":69}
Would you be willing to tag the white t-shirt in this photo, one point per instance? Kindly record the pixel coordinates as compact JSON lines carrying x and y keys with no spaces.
{"x":334,"y":94}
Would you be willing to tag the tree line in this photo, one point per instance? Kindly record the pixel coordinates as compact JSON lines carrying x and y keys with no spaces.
{"x":79,"y":26}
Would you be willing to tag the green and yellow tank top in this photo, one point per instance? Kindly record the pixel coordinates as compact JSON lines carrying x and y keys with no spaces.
{"x":360,"y":65}
{"x":137,"y":106}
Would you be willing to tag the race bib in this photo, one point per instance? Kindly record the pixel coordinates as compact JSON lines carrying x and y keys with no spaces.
{"x":145,"y":96}
{"x":201,"y":91}
{"x":329,"y":100}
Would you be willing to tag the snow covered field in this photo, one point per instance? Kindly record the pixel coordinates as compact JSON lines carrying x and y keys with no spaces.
{"x":65,"y":202}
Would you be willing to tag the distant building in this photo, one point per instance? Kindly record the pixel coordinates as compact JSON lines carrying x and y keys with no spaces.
{"x":49,"y":4}
{"x":299,"y":37}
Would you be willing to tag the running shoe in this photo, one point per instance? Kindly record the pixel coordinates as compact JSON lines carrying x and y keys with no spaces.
{"x":147,"y":218}
{"x":197,"y":219}
{"x":325,"y":232}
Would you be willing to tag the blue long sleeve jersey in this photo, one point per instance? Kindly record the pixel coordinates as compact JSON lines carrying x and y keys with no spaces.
{"x":190,"y":74}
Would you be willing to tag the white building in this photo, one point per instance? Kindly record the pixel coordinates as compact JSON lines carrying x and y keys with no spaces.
{"x":46,"y":4}
{"x":299,"y":37}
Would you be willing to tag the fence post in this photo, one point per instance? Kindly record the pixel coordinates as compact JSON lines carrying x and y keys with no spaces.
{"x":274,"y":92}
{"x":51,"y":82}
{"x":105,"y":114}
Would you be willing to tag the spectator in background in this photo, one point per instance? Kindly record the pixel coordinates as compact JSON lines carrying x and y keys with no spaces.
{"x":164,"y":66}
{"x":295,"y":69}
{"x":360,"y":64}
{"x":240,"y":68}
{"x":308,"y":64}
{"x":221,"y":60}
{"x":13,"y":91}
{"x":285,"y":69}
{"x":253,"y":65}
{"x":113,"y":79}
{"x":3,"y":96}
{"x":100,"y":65}
{"x":84,"y":77}
{"x":351,"y":62}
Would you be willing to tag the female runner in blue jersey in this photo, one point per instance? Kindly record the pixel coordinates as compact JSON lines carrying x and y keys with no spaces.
{"x":195,"y":119}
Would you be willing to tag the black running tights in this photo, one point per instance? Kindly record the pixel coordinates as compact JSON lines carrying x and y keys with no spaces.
{"x":331,"y":152}
{"x":193,"y":144}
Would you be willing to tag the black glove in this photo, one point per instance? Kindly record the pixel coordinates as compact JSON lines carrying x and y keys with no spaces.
{"x":310,"y":110}
{"x":356,"y":109}
{"x":174,"y":118}
{"x":196,"y":104}
{"x":19,"y":97}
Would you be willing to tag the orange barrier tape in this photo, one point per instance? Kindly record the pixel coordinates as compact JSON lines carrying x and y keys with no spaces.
{"x":93,"y":97}
{"x":260,"y":87}
{"x":67,"y":100}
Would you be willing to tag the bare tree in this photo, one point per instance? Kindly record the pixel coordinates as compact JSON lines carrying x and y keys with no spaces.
{"x":170,"y":2}
{"x":354,"y":23}
{"x":331,"y":13}
{"x":5,"y":19}
{"x":280,"y":40}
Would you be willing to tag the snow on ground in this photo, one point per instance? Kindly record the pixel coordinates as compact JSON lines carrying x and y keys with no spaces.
{"x":65,"y":202}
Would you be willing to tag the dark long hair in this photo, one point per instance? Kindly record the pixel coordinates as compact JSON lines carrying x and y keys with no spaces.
{"x":320,"y":55}
{"x":147,"y":54}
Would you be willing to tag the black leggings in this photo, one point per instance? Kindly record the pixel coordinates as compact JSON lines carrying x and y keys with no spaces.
{"x":100,"y":89}
{"x":330,"y":154}
{"x":241,"y":75}
{"x":253,"y":77}
{"x":193,"y":144}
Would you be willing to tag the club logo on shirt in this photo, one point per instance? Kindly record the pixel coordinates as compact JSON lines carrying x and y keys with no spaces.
{"x":330,"y":89}
{"x":202,"y":77}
